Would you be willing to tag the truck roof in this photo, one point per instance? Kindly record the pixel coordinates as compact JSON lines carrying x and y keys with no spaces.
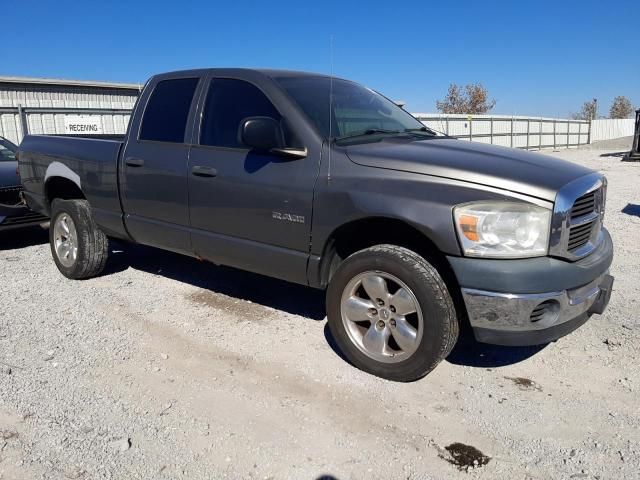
{"x":240,"y":71}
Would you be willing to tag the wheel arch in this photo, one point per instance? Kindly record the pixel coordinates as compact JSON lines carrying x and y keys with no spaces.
{"x":63,"y":187}
{"x":366,"y":232}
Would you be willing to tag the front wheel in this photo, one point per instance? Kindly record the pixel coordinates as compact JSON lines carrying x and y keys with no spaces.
{"x":390,"y":313}
{"x":79,"y":248}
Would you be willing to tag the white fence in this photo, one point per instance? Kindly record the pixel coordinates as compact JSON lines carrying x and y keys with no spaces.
{"x":516,"y":132}
{"x":612,"y":128}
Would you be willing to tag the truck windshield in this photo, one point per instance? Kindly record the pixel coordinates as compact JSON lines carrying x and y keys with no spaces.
{"x":356,"y":111}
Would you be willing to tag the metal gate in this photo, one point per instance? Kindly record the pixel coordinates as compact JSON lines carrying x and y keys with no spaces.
{"x":634,"y":154}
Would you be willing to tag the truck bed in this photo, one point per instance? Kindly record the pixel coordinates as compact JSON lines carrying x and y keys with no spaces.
{"x":90,"y":163}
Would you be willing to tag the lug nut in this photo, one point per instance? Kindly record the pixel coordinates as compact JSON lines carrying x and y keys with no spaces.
{"x":393,"y":323}
{"x":380,"y":302}
{"x":373,"y":311}
{"x":380,"y":324}
{"x":392,"y":308}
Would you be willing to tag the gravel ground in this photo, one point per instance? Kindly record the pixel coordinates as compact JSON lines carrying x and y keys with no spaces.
{"x":169,"y":368}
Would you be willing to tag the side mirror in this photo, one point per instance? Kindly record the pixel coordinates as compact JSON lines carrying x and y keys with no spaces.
{"x":265,"y":134}
{"x":261,"y":133}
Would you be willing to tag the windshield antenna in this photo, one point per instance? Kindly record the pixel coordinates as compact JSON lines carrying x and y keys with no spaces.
{"x":330,"y":107}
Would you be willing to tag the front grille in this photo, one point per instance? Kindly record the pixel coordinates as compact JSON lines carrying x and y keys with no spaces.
{"x":10,"y":195}
{"x":577,"y":217}
{"x":584,"y":205}
{"x":581,"y":233}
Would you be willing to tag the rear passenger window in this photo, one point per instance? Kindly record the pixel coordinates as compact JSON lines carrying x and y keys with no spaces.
{"x":165,"y":117}
{"x":228,"y":103}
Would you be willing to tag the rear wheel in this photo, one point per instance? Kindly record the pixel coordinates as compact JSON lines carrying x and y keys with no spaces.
{"x":79,"y":248}
{"x":390,"y":313}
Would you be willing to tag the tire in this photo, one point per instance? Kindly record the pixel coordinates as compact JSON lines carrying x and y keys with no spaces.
{"x":86,"y":254}
{"x":434,"y":322}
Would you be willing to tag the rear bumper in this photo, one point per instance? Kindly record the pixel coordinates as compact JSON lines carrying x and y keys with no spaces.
{"x":533,"y":301}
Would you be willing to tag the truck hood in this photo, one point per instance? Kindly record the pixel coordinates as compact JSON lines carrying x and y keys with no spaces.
{"x":510,"y":169}
{"x":8,"y":177}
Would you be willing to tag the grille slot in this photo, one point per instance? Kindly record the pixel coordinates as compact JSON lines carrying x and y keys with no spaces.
{"x":584,"y":205}
{"x":538,"y":313}
{"x":547,"y":310}
{"x":580,"y":235}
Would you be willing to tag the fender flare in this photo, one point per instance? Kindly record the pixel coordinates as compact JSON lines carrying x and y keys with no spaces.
{"x":58,"y":169}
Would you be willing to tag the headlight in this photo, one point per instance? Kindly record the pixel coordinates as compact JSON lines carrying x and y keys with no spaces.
{"x":503,"y":229}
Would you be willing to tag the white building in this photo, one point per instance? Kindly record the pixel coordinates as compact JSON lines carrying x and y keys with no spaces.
{"x":51,"y":106}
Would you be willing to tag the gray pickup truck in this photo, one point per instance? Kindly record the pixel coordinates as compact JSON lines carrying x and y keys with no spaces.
{"x":323,"y":182}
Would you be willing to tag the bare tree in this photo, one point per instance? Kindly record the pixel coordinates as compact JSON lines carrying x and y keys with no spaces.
{"x":621,"y":108}
{"x":589,"y":111}
{"x":454,"y":102}
{"x":473,"y":100}
{"x":479,"y":99}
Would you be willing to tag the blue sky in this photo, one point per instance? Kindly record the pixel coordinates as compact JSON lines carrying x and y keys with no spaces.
{"x":535,"y":58}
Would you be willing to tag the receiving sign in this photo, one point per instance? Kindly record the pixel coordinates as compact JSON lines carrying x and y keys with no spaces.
{"x":82,"y":124}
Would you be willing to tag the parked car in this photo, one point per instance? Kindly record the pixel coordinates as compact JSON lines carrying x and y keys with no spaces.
{"x":326,"y":183}
{"x":13,"y":210}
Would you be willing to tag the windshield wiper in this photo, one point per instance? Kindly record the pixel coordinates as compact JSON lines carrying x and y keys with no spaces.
{"x":421,"y":129}
{"x":369,"y":131}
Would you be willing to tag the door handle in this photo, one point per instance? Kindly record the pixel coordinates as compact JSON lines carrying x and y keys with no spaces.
{"x":199,"y":171}
{"x":134,"y":162}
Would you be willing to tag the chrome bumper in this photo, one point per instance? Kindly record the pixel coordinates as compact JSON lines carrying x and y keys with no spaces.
{"x":529,"y":319}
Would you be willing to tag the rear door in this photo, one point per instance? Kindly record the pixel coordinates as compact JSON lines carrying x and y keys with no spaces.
{"x":153,"y":169}
{"x":250,"y":210}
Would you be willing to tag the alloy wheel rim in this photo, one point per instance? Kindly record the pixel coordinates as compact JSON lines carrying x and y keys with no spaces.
{"x":65,"y":240}
{"x":382,"y":316}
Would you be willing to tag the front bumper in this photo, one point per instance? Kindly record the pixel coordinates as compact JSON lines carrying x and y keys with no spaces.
{"x":533,"y":319}
{"x":514,"y":308}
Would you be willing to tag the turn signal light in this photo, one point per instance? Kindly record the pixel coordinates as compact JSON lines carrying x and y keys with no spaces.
{"x":469,"y":226}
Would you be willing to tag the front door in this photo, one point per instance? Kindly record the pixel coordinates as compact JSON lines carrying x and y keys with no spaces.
{"x":249,"y":210}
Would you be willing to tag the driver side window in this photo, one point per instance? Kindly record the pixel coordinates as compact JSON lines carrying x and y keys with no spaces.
{"x":230,"y":101}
